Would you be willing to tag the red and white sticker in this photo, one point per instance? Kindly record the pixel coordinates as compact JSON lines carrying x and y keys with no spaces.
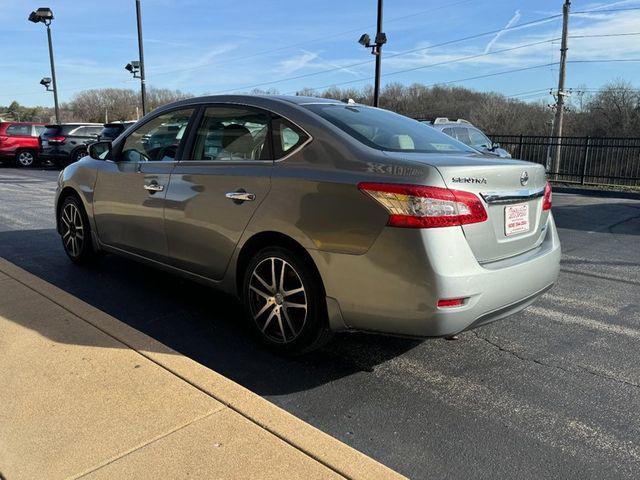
{"x":516,"y":219}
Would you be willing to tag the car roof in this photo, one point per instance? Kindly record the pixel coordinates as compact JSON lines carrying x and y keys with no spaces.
{"x":251,"y":99}
{"x":56,"y":125}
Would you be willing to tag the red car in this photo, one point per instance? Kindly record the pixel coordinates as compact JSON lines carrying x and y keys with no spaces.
{"x":19,"y":142}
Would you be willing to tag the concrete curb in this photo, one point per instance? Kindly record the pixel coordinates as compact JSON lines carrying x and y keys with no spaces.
{"x":320,"y":446}
{"x":594,"y":192}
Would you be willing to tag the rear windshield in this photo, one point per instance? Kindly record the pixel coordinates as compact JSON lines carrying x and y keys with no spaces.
{"x":111,"y":131}
{"x":52,"y":131}
{"x":386,"y":130}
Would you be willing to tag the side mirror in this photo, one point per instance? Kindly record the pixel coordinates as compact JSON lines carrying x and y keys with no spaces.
{"x":100,"y":150}
{"x":495,"y":146}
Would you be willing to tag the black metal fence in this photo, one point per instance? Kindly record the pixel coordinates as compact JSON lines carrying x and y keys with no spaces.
{"x":583,"y":160}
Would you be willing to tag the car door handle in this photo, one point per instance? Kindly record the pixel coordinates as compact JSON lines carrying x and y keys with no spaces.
{"x":154,"y":187}
{"x":241,"y":196}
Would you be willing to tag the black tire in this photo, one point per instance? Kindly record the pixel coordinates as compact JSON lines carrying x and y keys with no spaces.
{"x":302,"y":333}
{"x":75,"y":231}
{"x":26,"y":158}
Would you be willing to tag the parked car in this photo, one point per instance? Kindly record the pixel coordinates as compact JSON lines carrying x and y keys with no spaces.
{"x":464,"y":131}
{"x":19,"y":142}
{"x":67,"y":143}
{"x":320,"y":216}
{"x":111,"y":131}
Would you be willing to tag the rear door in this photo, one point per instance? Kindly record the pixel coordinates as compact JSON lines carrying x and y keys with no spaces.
{"x":129,"y":195}
{"x":217,"y":187}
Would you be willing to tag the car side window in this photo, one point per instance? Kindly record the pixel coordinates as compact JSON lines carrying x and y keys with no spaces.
{"x":19,"y":130}
{"x":479,"y":140}
{"x":232,"y":134}
{"x":449,"y":131}
{"x":286,"y":137}
{"x":462,"y":134}
{"x":39,"y":129}
{"x":158,"y":139}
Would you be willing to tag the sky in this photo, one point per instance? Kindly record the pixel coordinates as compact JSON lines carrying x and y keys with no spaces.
{"x":226,"y":46}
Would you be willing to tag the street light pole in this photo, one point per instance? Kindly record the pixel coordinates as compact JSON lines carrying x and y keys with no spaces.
{"x":378,"y":53}
{"x":376,"y":49}
{"x":53,"y":74}
{"x":143,"y":90}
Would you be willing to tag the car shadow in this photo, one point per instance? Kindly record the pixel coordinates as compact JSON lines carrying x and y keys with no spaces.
{"x":193,"y":319}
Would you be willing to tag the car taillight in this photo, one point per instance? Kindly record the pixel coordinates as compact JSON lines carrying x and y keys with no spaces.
{"x":546,"y":199}
{"x":418,"y":206}
{"x":57,"y":139}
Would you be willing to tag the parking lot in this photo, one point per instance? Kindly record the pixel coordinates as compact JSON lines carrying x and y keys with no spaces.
{"x":552,"y":392}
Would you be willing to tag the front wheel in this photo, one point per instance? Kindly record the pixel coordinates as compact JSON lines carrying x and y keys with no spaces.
{"x":285,"y":302}
{"x":75,"y":231}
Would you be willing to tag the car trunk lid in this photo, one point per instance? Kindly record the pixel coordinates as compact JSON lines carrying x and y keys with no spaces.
{"x":512,"y":193}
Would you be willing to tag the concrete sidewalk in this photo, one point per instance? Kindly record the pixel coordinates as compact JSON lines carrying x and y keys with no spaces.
{"x":83,"y":395}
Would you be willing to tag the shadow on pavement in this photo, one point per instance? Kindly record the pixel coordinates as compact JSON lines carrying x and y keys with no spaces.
{"x":195,"y":320}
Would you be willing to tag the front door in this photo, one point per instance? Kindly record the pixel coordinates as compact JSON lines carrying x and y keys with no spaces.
{"x":129,"y":195}
{"x":217,"y":188}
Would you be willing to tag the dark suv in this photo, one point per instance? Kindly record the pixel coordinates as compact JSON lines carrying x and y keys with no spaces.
{"x":67,"y":143}
{"x":19,"y":142}
{"x":111,"y":131}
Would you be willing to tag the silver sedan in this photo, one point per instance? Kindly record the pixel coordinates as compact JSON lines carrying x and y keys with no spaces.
{"x":320,"y":215}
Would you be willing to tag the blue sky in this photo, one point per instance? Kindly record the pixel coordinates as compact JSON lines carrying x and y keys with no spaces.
{"x":220,"y":46}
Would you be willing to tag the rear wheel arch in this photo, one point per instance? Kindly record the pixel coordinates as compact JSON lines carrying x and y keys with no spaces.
{"x":271,"y":239}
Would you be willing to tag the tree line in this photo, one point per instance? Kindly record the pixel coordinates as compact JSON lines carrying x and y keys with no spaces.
{"x":612,"y":111}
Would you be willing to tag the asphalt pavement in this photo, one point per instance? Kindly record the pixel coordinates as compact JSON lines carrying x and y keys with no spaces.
{"x":553,"y":392}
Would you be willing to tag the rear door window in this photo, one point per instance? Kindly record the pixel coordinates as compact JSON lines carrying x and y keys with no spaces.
{"x":19,"y":130}
{"x":233,"y":134}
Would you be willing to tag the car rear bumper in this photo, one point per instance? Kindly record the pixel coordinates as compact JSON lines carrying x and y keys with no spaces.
{"x":394,"y":288}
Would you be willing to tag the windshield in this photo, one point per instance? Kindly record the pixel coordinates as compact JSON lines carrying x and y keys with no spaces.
{"x":386,"y":130}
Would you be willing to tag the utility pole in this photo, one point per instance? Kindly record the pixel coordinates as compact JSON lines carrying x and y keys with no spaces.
{"x":143,"y":90}
{"x":378,"y":54}
{"x":53,"y":75}
{"x":559,"y":117}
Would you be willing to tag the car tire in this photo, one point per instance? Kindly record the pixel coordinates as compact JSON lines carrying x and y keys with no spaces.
{"x":285,"y":302}
{"x":25,"y":158}
{"x":78,"y":154}
{"x":75,"y":231}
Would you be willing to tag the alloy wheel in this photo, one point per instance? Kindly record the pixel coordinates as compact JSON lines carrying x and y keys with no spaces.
{"x":25,"y":159}
{"x":277,"y":300}
{"x":73,"y":232}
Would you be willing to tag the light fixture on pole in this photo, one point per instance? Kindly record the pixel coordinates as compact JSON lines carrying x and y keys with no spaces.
{"x":376,"y":49}
{"x":46,"y":83}
{"x":133,"y":67}
{"x":45,"y":15}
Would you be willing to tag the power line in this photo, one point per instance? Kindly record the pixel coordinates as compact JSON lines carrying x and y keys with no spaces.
{"x":448,"y":62}
{"x":602,"y":35}
{"x":318,"y":39}
{"x":394,"y":55}
{"x":504,"y":72}
{"x":611,"y":10}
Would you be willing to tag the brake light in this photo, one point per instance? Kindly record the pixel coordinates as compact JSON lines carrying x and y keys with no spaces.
{"x":418,"y":206}
{"x":57,"y":139}
{"x":546,"y":199}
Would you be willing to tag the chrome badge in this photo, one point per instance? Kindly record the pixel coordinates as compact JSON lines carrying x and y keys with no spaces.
{"x":524,"y":178}
{"x":481,"y":180}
